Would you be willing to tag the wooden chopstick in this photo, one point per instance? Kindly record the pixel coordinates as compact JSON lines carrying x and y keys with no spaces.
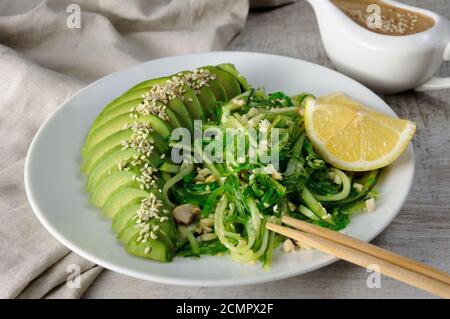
{"x":364,"y":259}
{"x":373,"y":250}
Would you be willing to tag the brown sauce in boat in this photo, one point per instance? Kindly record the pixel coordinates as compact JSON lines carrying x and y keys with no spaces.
{"x":393,"y":20}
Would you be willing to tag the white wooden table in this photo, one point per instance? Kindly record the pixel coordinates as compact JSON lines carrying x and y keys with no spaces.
{"x":422,"y":229}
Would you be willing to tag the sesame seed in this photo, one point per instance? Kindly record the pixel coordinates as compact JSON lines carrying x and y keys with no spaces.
{"x":156,"y":99}
{"x":148,"y":210}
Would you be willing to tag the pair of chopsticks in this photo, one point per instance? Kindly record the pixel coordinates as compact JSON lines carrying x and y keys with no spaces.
{"x":364,"y":254}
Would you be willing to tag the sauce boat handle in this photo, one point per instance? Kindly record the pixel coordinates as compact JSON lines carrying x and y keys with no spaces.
{"x":437,"y":83}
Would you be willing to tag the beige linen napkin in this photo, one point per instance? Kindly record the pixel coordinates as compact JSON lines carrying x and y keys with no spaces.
{"x":114,"y":34}
{"x":56,"y":59}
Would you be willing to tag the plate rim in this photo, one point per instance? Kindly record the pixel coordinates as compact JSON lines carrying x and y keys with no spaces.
{"x":191,"y":282}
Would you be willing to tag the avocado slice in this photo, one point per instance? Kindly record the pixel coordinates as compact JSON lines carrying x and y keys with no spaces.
{"x":218,"y":90}
{"x":230,"y":68}
{"x":208,"y":102}
{"x":122,"y":197}
{"x":192,"y":103}
{"x":178,"y":107}
{"x":118,"y":123}
{"x":127,"y":107}
{"x":102,"y":149}
{"x":127,"y":96}
{"x":160,"y":143}
{"x":109,"y":164}
{"x":173,"y":119}
{"x":147,"y":84}
{"x":120,"y":109}
{"x":160,"y":249}
{"x":135,"y":92}
{"x":215,"y":86}
{"x":228,"y":81}
{"x":106,"y":147}
{"x":127,"y":101}
{"x":121,"y":219}
{"x":110,"y":184}
{"x":167,"y":230}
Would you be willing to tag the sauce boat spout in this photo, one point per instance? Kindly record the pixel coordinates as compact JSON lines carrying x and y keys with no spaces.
{"x":330,"y":17}
{"x":320,"y":6}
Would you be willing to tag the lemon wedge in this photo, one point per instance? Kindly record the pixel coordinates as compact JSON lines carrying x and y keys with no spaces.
{"x":353,"y":137}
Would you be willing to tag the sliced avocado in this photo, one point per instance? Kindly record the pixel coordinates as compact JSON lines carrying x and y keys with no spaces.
{"x":109,"y":145}
{"x":127,"y":96}
{"x":173,"y":119}
{"x":228,"y":81}
{"x":120,"y":109}
{"x":118,"y":123}
{"x":161,"y":143}
{"x":170,"y":229}
{"x":112,"y":144}
{"x":192,"y":103}
{"x":135,"y":92}
{"x":122,"y":197}
{"x":109,"y":164}
{"x":121,"y":219}
{"x":208,"y":102}
{"x":110,"y":184}
{"x":157,"y":250}
{"x":230,"y":68}
{"x":149,"y":83}
{"x":125,"y":108}
{"x":160,"y":249}
{"x":178,"y":107}
{"x":218,"y":90}
{"x":166,"y":233}
{"x":103,"y":149}
{"x":205,"y":98}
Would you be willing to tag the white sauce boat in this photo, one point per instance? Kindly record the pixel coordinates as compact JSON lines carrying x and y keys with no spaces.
{"x":386,"y":63}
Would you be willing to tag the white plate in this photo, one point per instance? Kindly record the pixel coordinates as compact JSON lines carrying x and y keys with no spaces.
{"x":55,"y":186}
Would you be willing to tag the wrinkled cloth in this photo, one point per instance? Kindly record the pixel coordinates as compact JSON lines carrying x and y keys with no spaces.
{"x":44,"y":59}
